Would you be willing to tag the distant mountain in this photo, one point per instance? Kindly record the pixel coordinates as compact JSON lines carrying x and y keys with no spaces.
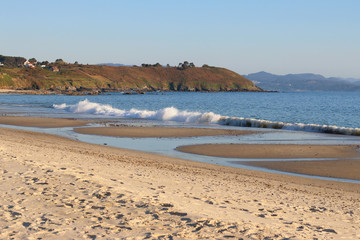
{"x":352,"y":80}
{"x":357,"y":83}
{"x":303,"y":82}
{"x":114,"y":64}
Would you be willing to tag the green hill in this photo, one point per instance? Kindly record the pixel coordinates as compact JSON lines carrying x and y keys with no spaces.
{"x":75,"y":77}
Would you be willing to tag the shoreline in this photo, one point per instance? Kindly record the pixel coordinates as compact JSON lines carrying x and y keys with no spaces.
{"x":172,"y":161}
{"x":188,"y":163}
{"x":324,"y":168}
{"x":98,"y":91}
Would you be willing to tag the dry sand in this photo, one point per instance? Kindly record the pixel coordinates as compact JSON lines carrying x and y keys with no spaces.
{"x":56,"y":188}
{"x":16,"y":91}
{"x":41,"y":122}
{"x":5,"y":91}
{"x":156,"y":132}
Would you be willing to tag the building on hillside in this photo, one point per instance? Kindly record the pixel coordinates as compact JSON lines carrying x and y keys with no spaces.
{"x":54,"y":69}
{"x":1,"y":64}
{"x":29,"y":64}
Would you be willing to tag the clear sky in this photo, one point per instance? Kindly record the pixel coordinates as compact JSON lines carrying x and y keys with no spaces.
{"x":277,"y":36}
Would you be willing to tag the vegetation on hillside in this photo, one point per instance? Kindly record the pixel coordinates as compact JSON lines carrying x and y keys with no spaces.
{"x":12,"y":61}
{"x":62,"y":76}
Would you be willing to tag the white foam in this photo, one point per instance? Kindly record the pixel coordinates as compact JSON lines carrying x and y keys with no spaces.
{"x":174,"y":114}
{"x":249,"y":122}
{"x":165,"y":114}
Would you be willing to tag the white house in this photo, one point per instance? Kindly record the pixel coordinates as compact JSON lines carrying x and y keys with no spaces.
{"x":54,"y":69}
{"x":29,"y":64}
{"x":1,"y":64}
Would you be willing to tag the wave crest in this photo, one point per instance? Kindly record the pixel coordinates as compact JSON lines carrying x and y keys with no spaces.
{"x":174,"y":114}
{"x":249,"y":122}
{"x":165,"y":114}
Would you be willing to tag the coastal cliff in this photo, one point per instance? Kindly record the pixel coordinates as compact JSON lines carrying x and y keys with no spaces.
{"x":78,"y":77}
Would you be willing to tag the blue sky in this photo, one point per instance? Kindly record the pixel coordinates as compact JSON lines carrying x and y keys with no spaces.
{"x":277,"y":36}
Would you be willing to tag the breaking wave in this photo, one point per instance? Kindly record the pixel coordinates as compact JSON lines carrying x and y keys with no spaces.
{"x":165,"y":114}
{"x":249,"y":122}
{"x":174,"y":114}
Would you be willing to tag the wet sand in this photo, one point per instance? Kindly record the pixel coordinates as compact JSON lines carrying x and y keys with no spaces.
{"x":41,"y":122}
{"x":56,"y":188}
{"x":346,"y":168}
{"x":157,"y":132}
{"x":272,"y":151}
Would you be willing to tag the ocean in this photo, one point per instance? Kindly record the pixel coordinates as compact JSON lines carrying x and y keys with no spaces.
{"x":330,"y":112}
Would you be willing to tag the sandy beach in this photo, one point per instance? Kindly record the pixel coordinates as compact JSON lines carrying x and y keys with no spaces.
{"x":272,"y":151}
{"x":346,"y":167}
{"x":156,"y":132}
{"x":56,"y":188}
{"x":41,"y":122}
{"x":8,"y":91}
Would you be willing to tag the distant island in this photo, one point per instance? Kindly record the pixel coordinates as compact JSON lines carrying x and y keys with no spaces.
{"x":303,"y":82}
{"x":72,"y":78}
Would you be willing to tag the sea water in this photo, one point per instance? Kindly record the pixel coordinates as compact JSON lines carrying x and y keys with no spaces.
{"x":331,"y":112}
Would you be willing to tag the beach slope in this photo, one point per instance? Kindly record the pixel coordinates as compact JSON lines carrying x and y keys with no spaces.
{"x":54,"y":187}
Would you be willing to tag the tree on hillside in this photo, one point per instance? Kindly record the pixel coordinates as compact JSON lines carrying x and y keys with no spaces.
{"x":32,"y":60}
{"x":59,"y":61}
{"x":12,"y":61}
{"x":186,"y":65}
{"x":150,"y":65}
